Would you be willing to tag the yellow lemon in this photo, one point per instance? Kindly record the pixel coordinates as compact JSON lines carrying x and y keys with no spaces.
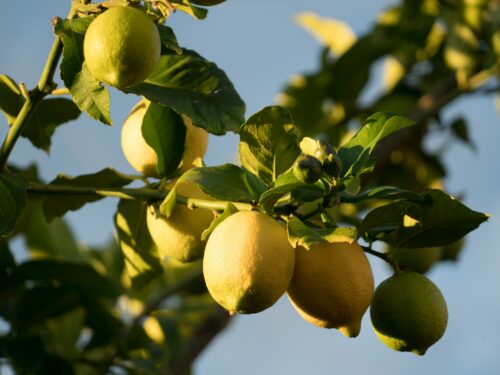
{"x":332,"y":285}
{"x":143,"y":158}
{"x":179,"y":236}
{"x":408,"y":312}
{"x":122,"y":46}
{"x":248,"y":262}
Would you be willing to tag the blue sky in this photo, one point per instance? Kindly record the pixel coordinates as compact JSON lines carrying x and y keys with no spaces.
{"x":260,"y":47}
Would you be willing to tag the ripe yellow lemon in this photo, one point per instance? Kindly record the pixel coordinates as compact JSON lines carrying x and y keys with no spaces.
{"x":143,"y":158}
{"x":408,"y":312}
{"x":332,"y":285}
{"x":248,"y":262}
{"x":179,"y":236}
{"x":122,"y":46}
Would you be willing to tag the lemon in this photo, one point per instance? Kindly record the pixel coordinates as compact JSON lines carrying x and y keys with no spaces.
{"x":332,"y":285}
{"x":179,"y":236}
{"x":143,"y":157}
{"x":248,"y":262}
{"x":452,"y":252}
{"x":122,"y":46}
{"x":408,"y":312}
{"x":418,"y":260}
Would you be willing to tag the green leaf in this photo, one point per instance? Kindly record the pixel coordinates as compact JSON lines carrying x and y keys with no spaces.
{"x":460,"y":130}
{"x":72,"y":32}
{"x":11,"y":99}
{"x":168,"y":39}
{"x":164,"y":130}
{"x":43,"y":302}
{"x":351,"y":71}
{"x":196,"y":88}
{"x":48,"y":115}
{"x":206,"y":3}
{"x":383,"y":192}
{"x":168,"y":205}
{"x":61,"y":334}
{"x":301,"y":234}
{"x":356,"y":153}
{"x":228,"y":211}
{"x":412,"y":225}
{"x":141,"y":259}
{"x":6,"y":258}
{"x":226,"y":182}
{"x":80,"y":276}
{"x":58,"y":205}
{"x":54,"y":240}
{"x":194,"y":11}
{"x":268,"y":143}
{"x":298,"y":190}
{"x":12,"y":202}
{"x":41,"y":125}
{"x":101,"y":320}
{"x":90,"y":96}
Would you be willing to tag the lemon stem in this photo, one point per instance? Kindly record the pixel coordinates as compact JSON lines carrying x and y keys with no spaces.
{"x":383,"y":256}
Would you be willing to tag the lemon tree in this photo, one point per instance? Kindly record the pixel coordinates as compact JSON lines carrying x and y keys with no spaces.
{"x":323,"y":181}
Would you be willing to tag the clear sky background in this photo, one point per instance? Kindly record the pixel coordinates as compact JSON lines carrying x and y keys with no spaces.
{"x":259,"y":46}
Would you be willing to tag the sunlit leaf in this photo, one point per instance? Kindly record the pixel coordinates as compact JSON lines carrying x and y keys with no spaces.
{"x":269,"y":143}
{"x":141,"y":258}
{"x":301,"y":234}
{"x":197,"y":88}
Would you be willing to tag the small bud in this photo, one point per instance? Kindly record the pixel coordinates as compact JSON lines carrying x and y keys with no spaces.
{"x":332,"y":165}
{"x":307,"y":169}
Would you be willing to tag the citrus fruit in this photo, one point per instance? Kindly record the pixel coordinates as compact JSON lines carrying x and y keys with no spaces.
{"x":452,"y":252}
{"x":122,"y":46}
{"x":418,"y":260}
{"x":179,"y":236}
{"x":248,"y":262}
{"x":332,"y":285}
{"x":307,"y":169}
{"x":408,"y":312}
{"x":142,"y":156}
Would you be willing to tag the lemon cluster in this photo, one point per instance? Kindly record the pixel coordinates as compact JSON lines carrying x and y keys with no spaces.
{"x":248,"y":262}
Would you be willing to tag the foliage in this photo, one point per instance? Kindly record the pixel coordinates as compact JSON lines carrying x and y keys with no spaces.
{"x":79,"y":310}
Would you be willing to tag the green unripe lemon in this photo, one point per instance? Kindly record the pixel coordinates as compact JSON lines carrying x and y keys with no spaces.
{"x":307,"y":169}
{"x":122,"y":46}
{"x":417,"y":260}
{"x":408,"y":312}
{"x":248,"y":262}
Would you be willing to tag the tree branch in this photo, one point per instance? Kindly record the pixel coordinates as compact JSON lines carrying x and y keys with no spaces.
{"x":129,"y":193}
{"x":200,"y":339}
